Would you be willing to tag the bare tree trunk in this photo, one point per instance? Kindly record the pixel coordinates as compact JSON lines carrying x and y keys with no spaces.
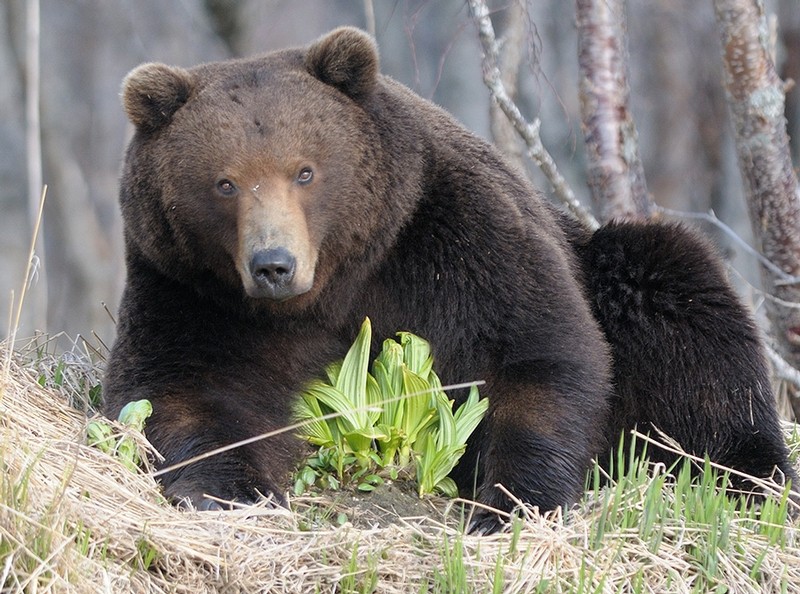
{"x":789,"y":19}
{"x":755,"y":95}
{"x":615,"y":174}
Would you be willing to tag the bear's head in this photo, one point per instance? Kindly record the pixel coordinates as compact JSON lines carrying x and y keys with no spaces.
{"x":264,"y":173}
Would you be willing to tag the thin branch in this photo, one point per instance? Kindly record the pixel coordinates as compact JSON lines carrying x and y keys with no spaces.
{"x":710,"y":217}
{"x":668,"y":444}
{"x":30,"y":270}
{"x":782,"y":369}
{"x":295,"y":426}
{"x":529,"y":131}
{"x":504,"y":135}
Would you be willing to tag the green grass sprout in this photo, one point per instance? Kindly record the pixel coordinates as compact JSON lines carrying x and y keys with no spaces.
{"x":391,"y":416}
{"x":103,"y":436}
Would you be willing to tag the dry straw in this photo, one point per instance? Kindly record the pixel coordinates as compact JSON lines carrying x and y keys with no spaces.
{"x":73,"y":519}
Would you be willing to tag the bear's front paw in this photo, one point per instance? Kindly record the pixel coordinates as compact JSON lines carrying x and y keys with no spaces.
{"x":485,"y":522}
{"x":208,"y":495}
{"x":500,"y":506}
{"x":494,"y":513}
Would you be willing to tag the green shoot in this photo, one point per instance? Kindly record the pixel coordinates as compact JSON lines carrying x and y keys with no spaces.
{"x":390,"y":416}
{"x":102,"y":435}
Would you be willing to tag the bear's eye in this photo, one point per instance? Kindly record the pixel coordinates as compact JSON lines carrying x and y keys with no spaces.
{"x":305,"y":175}
{"x":226,"y":187}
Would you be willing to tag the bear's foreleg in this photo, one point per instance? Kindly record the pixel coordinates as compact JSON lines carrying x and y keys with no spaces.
{"x":537,"y":443}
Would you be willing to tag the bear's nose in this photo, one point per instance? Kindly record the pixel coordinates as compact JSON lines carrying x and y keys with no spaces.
{"x":273,"y":268}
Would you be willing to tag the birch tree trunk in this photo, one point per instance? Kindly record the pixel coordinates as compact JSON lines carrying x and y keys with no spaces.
{"x":615,"y":174}
{"x":755,"y":95}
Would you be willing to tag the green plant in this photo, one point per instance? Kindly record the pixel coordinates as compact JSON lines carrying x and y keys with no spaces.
{"x":103,"y":436}
{"x":384,"y":420}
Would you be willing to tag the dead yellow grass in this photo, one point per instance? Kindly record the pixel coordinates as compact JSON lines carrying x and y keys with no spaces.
{"x":74,"y":520}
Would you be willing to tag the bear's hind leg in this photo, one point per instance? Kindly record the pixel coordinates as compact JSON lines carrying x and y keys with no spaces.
{"x":688,"y":357}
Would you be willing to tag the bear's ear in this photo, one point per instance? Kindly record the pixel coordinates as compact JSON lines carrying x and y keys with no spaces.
{"x":152,"y":93}
{"x":345,"y":58}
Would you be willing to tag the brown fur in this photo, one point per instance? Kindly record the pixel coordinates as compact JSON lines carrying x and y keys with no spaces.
{"x":271,"y":203}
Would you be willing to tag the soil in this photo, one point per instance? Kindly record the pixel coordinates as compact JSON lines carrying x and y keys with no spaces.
{"x":392,"y":502}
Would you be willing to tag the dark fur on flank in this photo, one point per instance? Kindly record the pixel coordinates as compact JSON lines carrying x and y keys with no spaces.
{"x":688,"y":358}
{"x":271,"y":203}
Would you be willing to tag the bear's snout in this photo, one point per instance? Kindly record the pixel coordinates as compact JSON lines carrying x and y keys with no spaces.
{"x":272,"y":271}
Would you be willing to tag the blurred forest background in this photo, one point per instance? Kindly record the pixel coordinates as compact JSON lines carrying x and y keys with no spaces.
{"x":87,"y":47}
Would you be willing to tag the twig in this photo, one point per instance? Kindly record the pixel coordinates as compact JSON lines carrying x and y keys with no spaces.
{"x":29,"y":270}
{"x":298,"y":425}
{"x":666,"y":443}
{"x":710,"y":217}
{"x":781,"y":368}
{"x":529,"y":131}
{"x":510,"y":44}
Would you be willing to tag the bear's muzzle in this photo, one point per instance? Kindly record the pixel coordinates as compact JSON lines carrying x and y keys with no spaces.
{"x":273,"y":272}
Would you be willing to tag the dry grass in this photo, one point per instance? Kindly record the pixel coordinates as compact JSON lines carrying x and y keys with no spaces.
{"x":75,"y":520}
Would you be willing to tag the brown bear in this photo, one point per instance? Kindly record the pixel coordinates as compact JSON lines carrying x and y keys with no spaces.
{"x":271,"y":203}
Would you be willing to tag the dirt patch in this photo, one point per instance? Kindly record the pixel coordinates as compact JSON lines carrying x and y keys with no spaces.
{"x":392,"y":502}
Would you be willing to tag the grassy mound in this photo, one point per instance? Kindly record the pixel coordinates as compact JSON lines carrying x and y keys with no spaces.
{"x":73,"y":519}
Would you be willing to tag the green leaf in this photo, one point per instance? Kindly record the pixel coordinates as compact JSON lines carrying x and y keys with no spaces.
{"x":434,"y":380}
{"x":374,"y":431}
{"x":369,"y":433}
{"x":134,"y":414}
{"x":385,"y":397}
{"x":416,"y":353}
{"x":374,"y":400}
{"x":350,"y":420}
{"x":447,"y":487}
{"x":418,"y":411}
{"x":317,"y":431}
{"x":446,"y":436}
{"x":425,"y":461}
{"x":435,"y":465}
{"x":352,"y":378}
{"x":127,"y":453}
{"x":439,"y":448}
{"x":101,"y":435}
{"x":388,"y":372}
{"x":373,"y":479}
{"x":391,"y":361}
{"x":308,"y":475}
{"x":388,"y":446}
{"x":360,"y":443}
{"x":469,"y":415}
